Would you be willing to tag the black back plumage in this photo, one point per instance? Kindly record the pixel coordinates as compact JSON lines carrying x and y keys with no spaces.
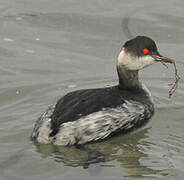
{"x":84,"y":102}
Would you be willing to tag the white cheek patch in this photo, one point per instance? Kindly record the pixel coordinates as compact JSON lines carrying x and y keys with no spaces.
{"x":133,"y":63}
{"x":141,"y":62}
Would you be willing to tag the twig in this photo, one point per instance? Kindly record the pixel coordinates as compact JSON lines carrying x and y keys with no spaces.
{"x":177,"y":78}
{"x":175,"y":84}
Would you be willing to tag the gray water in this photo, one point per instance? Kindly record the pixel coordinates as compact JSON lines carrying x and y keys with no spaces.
{"x":48,"y":48}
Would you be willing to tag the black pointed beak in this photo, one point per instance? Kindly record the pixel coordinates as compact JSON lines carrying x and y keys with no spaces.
{"x":159,"y":58}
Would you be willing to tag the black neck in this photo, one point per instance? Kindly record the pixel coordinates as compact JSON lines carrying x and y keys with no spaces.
{"x":128,"y":79}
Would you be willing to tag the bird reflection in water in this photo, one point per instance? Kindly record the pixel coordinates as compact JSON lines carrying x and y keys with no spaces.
{"x":124,"y":151}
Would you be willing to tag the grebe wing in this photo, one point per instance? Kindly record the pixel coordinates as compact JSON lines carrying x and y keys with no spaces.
{"x":81,"y":103}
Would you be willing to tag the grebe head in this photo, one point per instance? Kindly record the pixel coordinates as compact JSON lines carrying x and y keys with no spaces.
{"x":136,"y":54}
{"x":139,"y":53}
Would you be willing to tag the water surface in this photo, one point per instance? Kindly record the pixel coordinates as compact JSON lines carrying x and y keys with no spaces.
{"x":49,"y":48}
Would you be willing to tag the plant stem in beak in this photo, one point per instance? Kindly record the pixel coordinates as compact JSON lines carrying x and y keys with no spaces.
{"x":164,"y":60}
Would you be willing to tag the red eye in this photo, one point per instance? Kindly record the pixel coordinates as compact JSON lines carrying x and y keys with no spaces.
{"x":145,"y":51}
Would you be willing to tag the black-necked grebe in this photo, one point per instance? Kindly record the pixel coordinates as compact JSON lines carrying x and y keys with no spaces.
{"x":90,"y":115}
